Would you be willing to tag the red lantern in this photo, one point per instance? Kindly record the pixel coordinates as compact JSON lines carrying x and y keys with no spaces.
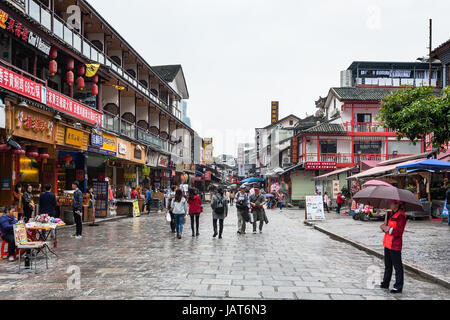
{"x":70,"y":64}
{"x":95,"y":79}
{"x":53,"y":53}
{"x":43,"y":153}
{"x":32,"y":152}
{"x":3,"y":147}
{"x":19,"y":152}
{"x":53,"y":67}
{"x":70,"y":78}
{"x":94,"y":89}
{"x":80,"y":83}
{"x":81,"y":70}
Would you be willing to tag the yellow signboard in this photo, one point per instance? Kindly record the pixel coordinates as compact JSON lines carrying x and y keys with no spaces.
{"x":109,"y":142}
{"x":275,"y":111}
{"x":74,"y":137}
{"x":136,"y":210}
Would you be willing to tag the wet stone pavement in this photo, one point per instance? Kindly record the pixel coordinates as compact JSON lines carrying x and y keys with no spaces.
{"x":140,"y":259}
{"x":426,"y":243}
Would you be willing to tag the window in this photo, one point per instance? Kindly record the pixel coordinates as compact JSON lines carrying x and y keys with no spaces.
{"x":291,"y":123}
{"x":364,"y":118}
{"x":328,"y":146}
{"x":367,"y":147}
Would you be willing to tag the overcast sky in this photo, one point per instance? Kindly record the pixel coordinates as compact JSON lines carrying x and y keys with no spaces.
{"x":239,"y":55}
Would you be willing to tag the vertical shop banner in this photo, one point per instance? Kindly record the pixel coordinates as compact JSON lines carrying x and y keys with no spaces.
{"x":336,"y":188}
{"x":314,"y":208}
{"x":136,"y":210}
{"x":208,"y":150}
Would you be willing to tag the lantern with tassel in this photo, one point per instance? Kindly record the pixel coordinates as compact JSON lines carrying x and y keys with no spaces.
{"x":70,"y":64}
{"x":53,"y":53}
{"x":94,"y":89}
{"x":53,"y":67}
{"x":67,"y":159}
{"x":18,"y":152}
{"x":43,"y":153}
{"x":95,"y":79}
{"x":80,"y":83}
{"x":70,"y":78}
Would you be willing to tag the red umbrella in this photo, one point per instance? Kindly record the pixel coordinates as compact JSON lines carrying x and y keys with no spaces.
{"x":380,"y":196}
{"x":375,"y":183}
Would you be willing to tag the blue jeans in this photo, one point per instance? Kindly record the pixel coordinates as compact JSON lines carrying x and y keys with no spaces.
{"x":179,"y":221}
{"x":280,"y":204}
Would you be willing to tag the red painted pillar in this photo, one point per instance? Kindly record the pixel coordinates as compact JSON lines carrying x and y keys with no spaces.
{"x":318,"y":148}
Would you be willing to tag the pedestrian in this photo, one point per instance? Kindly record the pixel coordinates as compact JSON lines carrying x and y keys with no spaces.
{"x":92,"y":206}
{"x":340,"y":201}
{"x":148,"y":200}
{"x":220,"y":211}
{"x":281,"y":199}
{"x":28,"y":203}
{"x":77,"y":210}
{"x":170,"y":197}
{"x":392,"y":243}
{"x":195,"y":209}
{"x":179,"y":209}
{"x":232,"y":197}
{"x":134,"y":193}
{"x":243,"y":207}
{"x":326,"y":202}
{"x":7,"y":222}
{"x":47,"y":202}
{"x":257,"y":204}
{"x":18,"y":203}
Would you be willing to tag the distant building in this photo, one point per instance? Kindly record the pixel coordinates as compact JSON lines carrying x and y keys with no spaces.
{"x":184,"y":116}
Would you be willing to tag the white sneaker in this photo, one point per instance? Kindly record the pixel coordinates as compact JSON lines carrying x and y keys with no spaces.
{"x":78,"y":237}
{"x":254,"y":232}
{"x":11,"y":259}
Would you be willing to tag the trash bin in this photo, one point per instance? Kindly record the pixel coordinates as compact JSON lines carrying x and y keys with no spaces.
{"x":68,"y":218}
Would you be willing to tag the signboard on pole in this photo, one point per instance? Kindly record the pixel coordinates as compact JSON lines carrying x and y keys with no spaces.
{"x":314,"y":208}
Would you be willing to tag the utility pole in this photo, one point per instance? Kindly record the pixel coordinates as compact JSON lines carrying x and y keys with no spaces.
{"x":431,"y":48}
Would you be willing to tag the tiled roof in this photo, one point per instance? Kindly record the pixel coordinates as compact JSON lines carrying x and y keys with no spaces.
{"x":362,"y":94}
{"x":440,"y":48}
{"x":327,"y":128}
{"x":168,"y":73}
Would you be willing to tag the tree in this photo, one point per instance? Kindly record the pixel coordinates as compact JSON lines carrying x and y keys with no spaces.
{"x":415,"y":113}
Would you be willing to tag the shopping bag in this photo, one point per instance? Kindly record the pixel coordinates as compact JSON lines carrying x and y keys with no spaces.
{"x":266,"y":220}
{"x":251,"y":218}
{"x":168,"y":217}
{"x":445,"y":210}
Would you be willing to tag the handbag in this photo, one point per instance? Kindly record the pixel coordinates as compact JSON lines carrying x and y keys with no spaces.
{"x":168,"y":217}
{"x":266,"y":220}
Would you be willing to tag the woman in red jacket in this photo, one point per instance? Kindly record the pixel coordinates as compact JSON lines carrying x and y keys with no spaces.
{"x":195,"y":208}
{"x":393,"y":241}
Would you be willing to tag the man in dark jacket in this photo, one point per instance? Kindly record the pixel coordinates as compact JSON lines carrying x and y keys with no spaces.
{"x":7,"y":222}
{"x":77,"y":209}
{"x":47,"y":202}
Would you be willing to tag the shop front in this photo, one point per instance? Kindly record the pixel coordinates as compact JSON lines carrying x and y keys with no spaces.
{"x":102,"y":173}
{"x":27,"y":155}
{"x":160,"y":173}
{"x":71,"y":145}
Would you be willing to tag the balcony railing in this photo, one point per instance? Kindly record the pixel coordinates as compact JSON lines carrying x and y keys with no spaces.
{"x":128,"y":129}
{"x":59,"y":28}
{"x":372,"y":127}
{"x":348,"y":158}
{"x":110,"y":122}
{"x":148,"y":138}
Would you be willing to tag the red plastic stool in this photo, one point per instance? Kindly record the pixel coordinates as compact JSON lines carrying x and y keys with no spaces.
{"x":5,"y":253}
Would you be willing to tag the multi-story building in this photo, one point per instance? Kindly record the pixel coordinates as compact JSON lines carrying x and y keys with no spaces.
{"x":246,"y":160}
{"x":271,"y":142}
{"x":63,"y":58}
{"x":350,"y":134}
{"x":442,"y":53}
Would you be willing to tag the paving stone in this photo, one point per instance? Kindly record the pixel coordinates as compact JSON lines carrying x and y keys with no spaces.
{"x":244,"y":294}
{"x":325,"y":290}
{"x":293,"y":289}
{"x":278,"y":295}
{"x":346,"y":297}
{"x":217,"y":281}
{"x":210,"y":294}
{"x":312,"y":296}
{"x":278,"y":283}
{"x":309,"y":284}
{"x":247,"y":282}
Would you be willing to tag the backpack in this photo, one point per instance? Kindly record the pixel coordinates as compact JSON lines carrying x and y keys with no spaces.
{"x":220,"y":209}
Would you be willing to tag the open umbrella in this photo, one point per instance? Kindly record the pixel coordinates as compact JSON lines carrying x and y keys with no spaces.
{"x":379,"y":197}
{"x":375,"y":183}
{"x":269,"y":195}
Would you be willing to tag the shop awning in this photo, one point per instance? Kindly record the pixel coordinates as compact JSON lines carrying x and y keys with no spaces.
{"x":327,"y":175}
{"x":377,"y":171}
{"x":429,"y":164}
{"x":293,"y":168}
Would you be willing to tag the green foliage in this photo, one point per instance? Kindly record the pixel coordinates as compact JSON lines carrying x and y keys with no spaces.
{"x":416,"y":112}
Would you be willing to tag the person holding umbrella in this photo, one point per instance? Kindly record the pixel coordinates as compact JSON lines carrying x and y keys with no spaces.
{"x":392,"y":243}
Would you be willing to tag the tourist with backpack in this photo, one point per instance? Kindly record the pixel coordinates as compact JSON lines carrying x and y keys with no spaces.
{"x":243,"y":208}
{"x":219,"y":205}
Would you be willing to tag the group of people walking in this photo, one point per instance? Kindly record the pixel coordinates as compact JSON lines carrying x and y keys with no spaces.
{"x":250,"y":208}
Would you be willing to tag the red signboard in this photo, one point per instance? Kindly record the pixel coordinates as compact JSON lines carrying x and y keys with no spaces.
{"x":32,"y":90}
{"x":23,"y":86}
{"x":321,"y":165}
{"x":73,"y":108}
